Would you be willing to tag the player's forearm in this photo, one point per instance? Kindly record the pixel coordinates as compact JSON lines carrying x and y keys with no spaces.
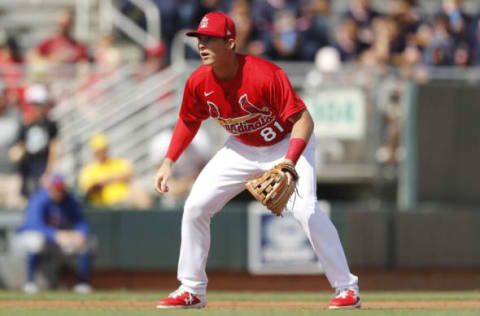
{"x":301,"y":132}
{"x":302,"y":126}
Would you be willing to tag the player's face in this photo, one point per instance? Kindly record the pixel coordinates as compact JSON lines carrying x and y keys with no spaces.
{"x":56,"y":194}
{"x":211,"y":49}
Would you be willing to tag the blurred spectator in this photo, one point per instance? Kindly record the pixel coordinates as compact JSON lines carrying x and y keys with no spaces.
{"x":363,"y":14}
{"x":11,"y":70}
{"x":390,"y":152}
{"x":286,"y":39}
{"x":407,"y":15}
{"x":460,"y":24}
{"x":107,"y":57}
{"x":392,"y":119}
{"x":345,"y":40}
{"x":476,"y":41}
{"x":462,"y":56}
{"x":186,"y":169}
{"x":61,"y":48}
{"x":10,"y":181}
{"x":109,"y":182}
{"x":327,"y":63}
{"x":54,"y":227}
{"x":37,"y":146}
{"x":395,"y":40}
{"x":313,"y":27}
{"x":205,"y":6}
{"x":264,"y":11}
{"x":11,"y":59}
{"x":439,"y":50}
{"x":173,"y":19}
{"x":249,"y":39}
{"x":155,"y":59}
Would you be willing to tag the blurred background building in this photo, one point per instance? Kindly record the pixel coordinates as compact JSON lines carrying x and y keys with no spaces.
{"x":391,"y":84}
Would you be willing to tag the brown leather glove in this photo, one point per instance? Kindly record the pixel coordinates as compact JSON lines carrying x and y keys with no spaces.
{"x":272,"y":189}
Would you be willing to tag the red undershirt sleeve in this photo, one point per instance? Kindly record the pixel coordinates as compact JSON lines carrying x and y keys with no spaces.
{"x":182,"y":136}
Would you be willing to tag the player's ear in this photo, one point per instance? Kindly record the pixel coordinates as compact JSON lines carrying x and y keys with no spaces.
{"x":231,"y":44}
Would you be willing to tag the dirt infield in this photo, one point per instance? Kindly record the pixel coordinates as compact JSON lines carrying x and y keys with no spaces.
{"x":244,"y":305}
{"x":370,"y":280}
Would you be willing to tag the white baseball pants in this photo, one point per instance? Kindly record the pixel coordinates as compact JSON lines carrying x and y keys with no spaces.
{"x":223,"y":178}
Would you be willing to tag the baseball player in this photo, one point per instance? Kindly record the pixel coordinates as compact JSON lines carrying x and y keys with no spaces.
{"x":269,"y":124}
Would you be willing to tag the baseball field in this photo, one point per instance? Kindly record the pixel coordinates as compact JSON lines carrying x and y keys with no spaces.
{"x":120,"y":303}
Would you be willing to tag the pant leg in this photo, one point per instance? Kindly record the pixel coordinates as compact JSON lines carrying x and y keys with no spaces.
{"x":319,"y":229}
{"x":32,"y":264}
{"x":84,"y":264}
{"x":221,"y":179}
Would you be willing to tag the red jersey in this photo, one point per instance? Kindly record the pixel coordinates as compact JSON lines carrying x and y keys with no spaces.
{"x":63,"y":49}
{"x":254,"y":106}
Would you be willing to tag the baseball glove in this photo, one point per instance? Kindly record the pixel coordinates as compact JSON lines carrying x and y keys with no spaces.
{"x":272,"y":189}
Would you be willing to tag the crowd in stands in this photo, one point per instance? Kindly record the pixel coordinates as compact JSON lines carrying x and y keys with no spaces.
{"x":402,"y":34}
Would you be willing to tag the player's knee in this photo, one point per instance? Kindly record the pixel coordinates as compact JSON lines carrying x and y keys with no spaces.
{"x":195,"y":210}
{"x":303,"y":209}
{"x":31,"y":241}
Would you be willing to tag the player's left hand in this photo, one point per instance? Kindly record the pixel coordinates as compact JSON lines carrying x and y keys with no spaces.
{"x":162,"y":175}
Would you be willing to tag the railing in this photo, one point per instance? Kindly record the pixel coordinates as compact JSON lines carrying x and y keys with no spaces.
{"x":111,"y":16}
{"x":130,"y":112}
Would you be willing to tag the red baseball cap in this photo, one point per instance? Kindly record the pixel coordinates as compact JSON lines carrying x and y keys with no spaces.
{"x":215,"y":24}
{"x":56,"y":181}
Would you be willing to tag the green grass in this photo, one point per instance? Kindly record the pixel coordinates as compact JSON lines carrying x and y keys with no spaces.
{"x":230,"y":296}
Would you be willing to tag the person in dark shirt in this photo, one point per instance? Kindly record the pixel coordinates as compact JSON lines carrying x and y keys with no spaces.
{"x":55,"y":224}
{"x":37,"y":145}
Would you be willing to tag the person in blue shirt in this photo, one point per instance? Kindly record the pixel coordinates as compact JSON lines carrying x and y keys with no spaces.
{"x":55,"y":223}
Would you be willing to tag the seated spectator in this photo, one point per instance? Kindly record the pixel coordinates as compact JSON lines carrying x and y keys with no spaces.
{"x":37,"y":146}
{"x":249,"y":39}
{"x":61,"y":47}
{"x":440,"y":49}
{"x":345,"y":40}
{"x":107,"y":57}
{"x":476,"y":45}
{"x":408,"y":15}
{"x":461,"y":25}
{"x":462,"y":56}
{"x":55,"y":227}
{"x":155,"y":59}
{"x":108,"y":182}
{"x":363,"y":14}
{"x":313,"y":27}
{"x":286,"y":39}
{"x":264,"y":11}
{"x":11,"y":71}
{"x":205,"y":6}
{"x":10,"y":180}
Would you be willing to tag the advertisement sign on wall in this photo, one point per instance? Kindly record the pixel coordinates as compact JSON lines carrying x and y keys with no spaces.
{"x":278,"y":245}
{"x":338,"y":113}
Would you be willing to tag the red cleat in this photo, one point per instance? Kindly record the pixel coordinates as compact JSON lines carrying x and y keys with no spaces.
{"x":182,"y":299}
{"x":346,"y":299}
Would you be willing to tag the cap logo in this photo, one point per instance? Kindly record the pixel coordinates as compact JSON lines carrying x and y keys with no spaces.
{"x":229,"y":33}
{"x":204,"y":23}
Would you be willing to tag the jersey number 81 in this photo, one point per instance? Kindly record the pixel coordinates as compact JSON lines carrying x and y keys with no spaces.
{"x":269,"y":134}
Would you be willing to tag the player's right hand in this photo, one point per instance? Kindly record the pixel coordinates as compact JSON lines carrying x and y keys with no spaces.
{"x":162,"y":175}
